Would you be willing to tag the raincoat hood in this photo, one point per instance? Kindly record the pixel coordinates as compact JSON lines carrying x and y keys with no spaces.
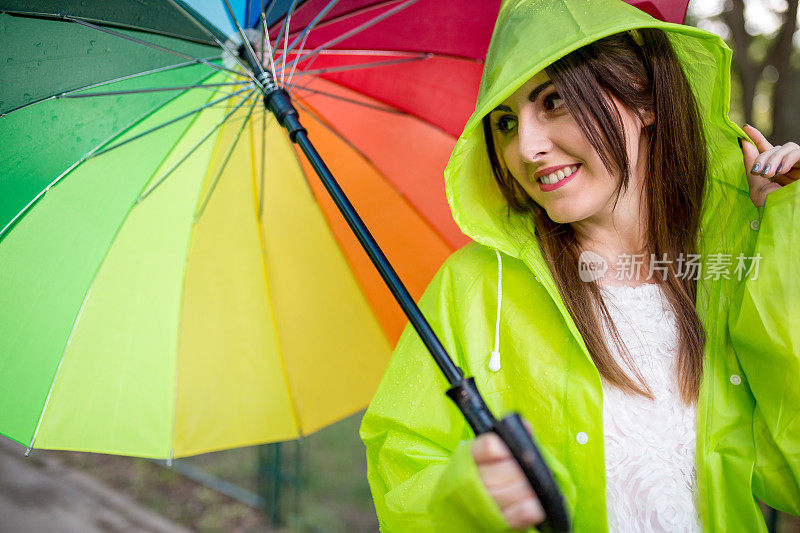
{"x":524,"y":43}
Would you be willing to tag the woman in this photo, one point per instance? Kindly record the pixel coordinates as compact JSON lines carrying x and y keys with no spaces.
{"x":662,"y":398}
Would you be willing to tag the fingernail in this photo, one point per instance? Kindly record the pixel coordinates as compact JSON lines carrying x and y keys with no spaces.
{"x":755,"y":168}
{"x":779,"y":168}
{"x":766,"y":169}
{"x":748,"y":125}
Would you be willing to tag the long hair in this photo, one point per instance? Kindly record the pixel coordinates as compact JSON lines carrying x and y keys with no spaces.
{"x":644,"y":77}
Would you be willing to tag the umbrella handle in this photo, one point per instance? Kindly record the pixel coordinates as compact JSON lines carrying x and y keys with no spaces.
{"x":513,"y":433}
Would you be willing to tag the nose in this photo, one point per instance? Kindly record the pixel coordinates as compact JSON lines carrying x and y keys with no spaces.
{"x":534,"y":139}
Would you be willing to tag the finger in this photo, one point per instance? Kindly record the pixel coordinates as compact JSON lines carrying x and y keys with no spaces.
{"x":761,"y":162}
{"x":500,"y":473}
{"x":489,"y":448}
{"x":787,"y":164}
{"x":524,"y":514}
{"x":773,"y":163}
{"x":749,"y":153}
{"x":527,"y":426}
{"x":510,"y":493}
{"x":758,"y":138}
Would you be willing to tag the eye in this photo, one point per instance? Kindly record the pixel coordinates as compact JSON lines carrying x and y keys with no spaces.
{"x":552,"y":101}
{"x":505,"y":124}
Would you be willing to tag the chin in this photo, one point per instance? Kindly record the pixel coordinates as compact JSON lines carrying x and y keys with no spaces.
{"x":563,"y":216}
{"x":572,"y":208}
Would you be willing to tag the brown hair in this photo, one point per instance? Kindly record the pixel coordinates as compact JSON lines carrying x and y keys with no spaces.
{"x":644,"y":77}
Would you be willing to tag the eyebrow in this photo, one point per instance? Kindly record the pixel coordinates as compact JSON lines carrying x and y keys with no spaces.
{"x":531,"y":97}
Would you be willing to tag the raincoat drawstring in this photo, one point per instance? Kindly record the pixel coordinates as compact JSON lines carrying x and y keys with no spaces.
{"x":494,"y":360}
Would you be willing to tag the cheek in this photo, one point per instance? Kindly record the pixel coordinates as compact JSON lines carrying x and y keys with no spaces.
{"x":512,"y":159}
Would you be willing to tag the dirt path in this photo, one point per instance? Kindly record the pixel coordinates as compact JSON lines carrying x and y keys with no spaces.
{"x":39,"y":493}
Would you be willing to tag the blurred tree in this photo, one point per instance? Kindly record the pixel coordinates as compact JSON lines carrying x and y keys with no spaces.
{"x":766,"y":63}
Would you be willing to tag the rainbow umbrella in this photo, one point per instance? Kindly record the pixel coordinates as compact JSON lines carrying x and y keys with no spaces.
{"x":174,"y":279}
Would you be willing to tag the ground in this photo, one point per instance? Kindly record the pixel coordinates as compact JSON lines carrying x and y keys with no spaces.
{"x":333,"y":495}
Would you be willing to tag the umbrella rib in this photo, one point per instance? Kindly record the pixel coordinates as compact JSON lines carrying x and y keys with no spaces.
{"x":173,"y":120}
{"x":41,"y":14}
{"x":83,"y":158}
{"x":191,"y":150}
{"x":262,"y":35}
{"x":352,"y":101}
{"x":224,"y":163}
{"x":308,"y":29}
{"x":245,"y":40}
{"x":266,"y":45}
{"x":154,"y":89}
{"x":369,"y":23}
{"x":183,"y":158}
{"x":341,"y":137}
{"x":263,"y":160}
{"x":225,"y":160}
{"x":389,"y":107}
{"x":156,"y":46}
{"x":234,"y":55}
{"x":408,"y":56}
{"x":361,"y":154}
{"x":58,"y":371}
{"x":356,"y":52}
{"x":269,"y":45}
{"x":288,"y":23}
{"x":278,"y":38}
{"x":260,"y":224}
{"x":419,"y":57}
{"x":139,"y":74}
{"x":401,"y":53}
{"x":355,"y":12}
{"x":98,"y":84}
{"x":265,"y":11}
{"x":305,"y":37}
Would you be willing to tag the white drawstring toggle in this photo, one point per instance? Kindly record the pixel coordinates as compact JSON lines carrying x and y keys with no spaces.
{"x":494,"y":360}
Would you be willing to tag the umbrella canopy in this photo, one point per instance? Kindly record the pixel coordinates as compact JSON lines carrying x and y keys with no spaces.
{"x":174,"y":279}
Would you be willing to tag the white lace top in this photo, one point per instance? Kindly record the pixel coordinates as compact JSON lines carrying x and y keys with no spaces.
{"x":650,"y":445}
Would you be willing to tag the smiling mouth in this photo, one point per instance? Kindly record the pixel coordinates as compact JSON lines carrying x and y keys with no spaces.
{"x":560,"y":174}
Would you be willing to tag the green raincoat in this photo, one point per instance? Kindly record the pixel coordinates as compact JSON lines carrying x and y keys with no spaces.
{"x":421,"y":472}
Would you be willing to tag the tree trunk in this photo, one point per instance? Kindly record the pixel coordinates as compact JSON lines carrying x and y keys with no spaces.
{"x":742,"y":64}
{"x":785,"y":107}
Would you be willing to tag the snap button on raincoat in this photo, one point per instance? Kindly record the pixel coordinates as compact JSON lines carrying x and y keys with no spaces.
{"x":748,"y":428}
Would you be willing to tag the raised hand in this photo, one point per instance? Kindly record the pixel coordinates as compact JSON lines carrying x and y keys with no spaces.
{"x":768,"y":167}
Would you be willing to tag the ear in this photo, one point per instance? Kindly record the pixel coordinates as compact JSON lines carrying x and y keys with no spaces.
{"x":647,"y":118}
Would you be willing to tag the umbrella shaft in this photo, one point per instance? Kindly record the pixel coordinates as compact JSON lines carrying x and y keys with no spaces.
{"x":401,"y":294}
{"x":279,"y":102}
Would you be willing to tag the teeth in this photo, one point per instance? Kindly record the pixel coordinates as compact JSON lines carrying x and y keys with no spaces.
{"x":555,"y":177}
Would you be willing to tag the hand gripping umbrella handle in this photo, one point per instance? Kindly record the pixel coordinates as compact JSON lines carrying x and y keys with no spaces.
{"x":463,"y":390}
{"x":513,"y":433}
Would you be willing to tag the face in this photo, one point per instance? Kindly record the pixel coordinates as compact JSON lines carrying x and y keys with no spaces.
{"x":547,"y":153}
